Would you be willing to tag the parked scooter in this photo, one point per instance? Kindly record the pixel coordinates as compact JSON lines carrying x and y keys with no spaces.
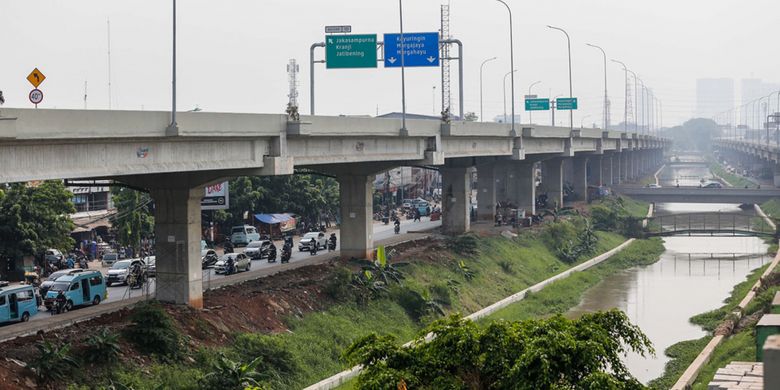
{"x":272,"y":253}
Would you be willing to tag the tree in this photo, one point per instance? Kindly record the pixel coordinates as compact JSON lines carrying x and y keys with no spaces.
{"x":694,"y":134}
{"x":134,"y":218}
{"x":552,"y":353}
{"x":35,"y":218}
{"x":470,"y":116}
{"x":307,"y":195}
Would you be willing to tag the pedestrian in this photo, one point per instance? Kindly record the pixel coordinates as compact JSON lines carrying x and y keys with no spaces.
{"x":416,"y":215}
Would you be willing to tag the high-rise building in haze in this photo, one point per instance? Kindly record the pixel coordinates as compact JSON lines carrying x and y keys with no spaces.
{"x":714,"y":96}
{"x":752,"y":89}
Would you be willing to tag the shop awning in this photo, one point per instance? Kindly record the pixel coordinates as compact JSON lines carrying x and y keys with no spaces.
{"x":273,"y":219}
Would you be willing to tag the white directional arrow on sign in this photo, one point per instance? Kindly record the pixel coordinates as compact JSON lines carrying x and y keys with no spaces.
{"x":431,"y":59}
{"x":391,"y":60}
{"x":330,"y":40}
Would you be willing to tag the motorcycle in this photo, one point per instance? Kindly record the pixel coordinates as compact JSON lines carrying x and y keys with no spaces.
{"x":272,"y":254}
{"x":397,"y":228}
{"x":228,"y":247}
{"x":332,"y":242}
{"x":286,"y":254}
{"x":230,"y":267}
{"x":313,"y":247}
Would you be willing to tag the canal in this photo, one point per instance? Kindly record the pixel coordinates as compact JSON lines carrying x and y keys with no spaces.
{"x":694,"y":274}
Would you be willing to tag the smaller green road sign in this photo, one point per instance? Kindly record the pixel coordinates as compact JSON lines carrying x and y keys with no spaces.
{"x":350,"y":51}
{"x":566,"y":103}
{"x":540,"y":104}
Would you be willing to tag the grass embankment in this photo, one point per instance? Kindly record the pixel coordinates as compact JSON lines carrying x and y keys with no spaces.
{"x":735,"y":180}
{"x":738,"y":347}
{"x":772,"y":210}
{"x":562,"y":295}
{"x":437,"y":275}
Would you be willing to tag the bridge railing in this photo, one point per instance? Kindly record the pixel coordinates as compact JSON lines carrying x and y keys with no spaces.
{"x":709,"y":224}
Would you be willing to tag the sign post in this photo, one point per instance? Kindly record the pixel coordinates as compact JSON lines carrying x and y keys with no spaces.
{"x":420,"y":49}
{"x":35,"y":78}
{"x":216,"y":197}
{"x":350,"y":51}
{"x":566,"y":103}
{"x":338,"y":29}
{"x":537,"y":104}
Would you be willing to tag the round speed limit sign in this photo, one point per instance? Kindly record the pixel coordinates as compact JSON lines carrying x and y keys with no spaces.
{"x":36,"y":96}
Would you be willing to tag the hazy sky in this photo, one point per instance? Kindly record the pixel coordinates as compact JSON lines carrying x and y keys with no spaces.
{"x":233,"y":53}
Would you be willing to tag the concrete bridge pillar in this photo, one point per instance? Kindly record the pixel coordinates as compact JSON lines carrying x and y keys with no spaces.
{"x":552,"y":181}
{"x":580,"y":182}
{"x":596,"y":171}
{"x":456,"y":199}
{"x":606,"y":170}
{"x":625,"y":167}
{"x":177,"y":245}
{"x":522,"y":188}
{"x":777,"y":175}
{"x":356,"y":207}
{"x":633,"y":164}
{"x":486,"y":192}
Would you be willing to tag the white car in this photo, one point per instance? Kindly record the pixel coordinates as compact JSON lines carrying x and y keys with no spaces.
{"x":319,"y":237}
{"x":242,"y":263}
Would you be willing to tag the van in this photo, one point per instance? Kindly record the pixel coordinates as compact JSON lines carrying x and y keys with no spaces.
{"x":243,"y":235}
{"x":81,"y":287}
{"x":17,"y":304}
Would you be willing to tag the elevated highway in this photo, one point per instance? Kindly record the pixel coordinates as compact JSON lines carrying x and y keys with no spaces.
{"x":137,"y":148}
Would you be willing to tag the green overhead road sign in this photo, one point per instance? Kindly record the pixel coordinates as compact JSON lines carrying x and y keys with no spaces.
{"x":566,"y":103}
{"x":540,"y":104}
{"x":350,"y":51}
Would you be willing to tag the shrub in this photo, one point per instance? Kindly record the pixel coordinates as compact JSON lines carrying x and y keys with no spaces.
{"x":338,"y":287}
{"x":558,"y":234}
{"x":464,"y":270}
{"x":506,"y":266}
{"x":604,"y":218}
{"x":415,"y":304}
{"x":153,"y":331}
{"x":54,"y":361}
{"x":228,"y":374}
{"x":465,"y":244}
{"x":271,"y":349}
{"x":103,"y":347}
{"x":441,"y":293}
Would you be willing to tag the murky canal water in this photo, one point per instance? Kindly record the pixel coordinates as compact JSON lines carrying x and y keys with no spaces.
{"x":694,"y":275}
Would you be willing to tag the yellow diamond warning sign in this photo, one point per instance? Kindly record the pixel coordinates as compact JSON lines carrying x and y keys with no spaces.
{"x":36,"y":77}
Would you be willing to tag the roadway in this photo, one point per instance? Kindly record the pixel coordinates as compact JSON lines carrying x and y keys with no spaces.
{"x":383,"y":235}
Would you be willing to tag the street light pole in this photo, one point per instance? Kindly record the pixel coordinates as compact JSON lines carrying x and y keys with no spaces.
{"x":571,"y":93}
{"x":636,"y":102}
{"x":606,"y":99}
{"x":404,"y":131}
{"x":625,"y":100}
{"x":513,"y":132}
{"x":530,"y":116}
{"x":642,"y":83}
{"x":173,"y":128}
{"x":504,"y":83}
{"x":481,"y":114}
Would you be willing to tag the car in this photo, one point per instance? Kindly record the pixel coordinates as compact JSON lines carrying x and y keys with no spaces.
{"x":256,"y":250}
{"x":321,"y":241}
{"x":80,"y":287}
{"x":46,"y":285}
{"x":208,"y":258}
{"x":109,"y":259}
{"x":243,"y":235}
{"x":151,"y":265}
{"x":18,"y":303}
{"x":713,"y":184}
{"x":120,"y":270}
{"x":652,"y":185}
{"x":241,"y":260}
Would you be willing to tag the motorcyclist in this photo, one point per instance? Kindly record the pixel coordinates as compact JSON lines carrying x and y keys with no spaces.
{"x":228,"y":248}
{"x":138,"y":273}
{"x":59,"y":303}
{"x":332,"y":245}
{"x":313,"y":246}
{"x":272,"y":253}
{"x":397,"y":227}
{"x":286,"y":252}
{"x":230,"y":266}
